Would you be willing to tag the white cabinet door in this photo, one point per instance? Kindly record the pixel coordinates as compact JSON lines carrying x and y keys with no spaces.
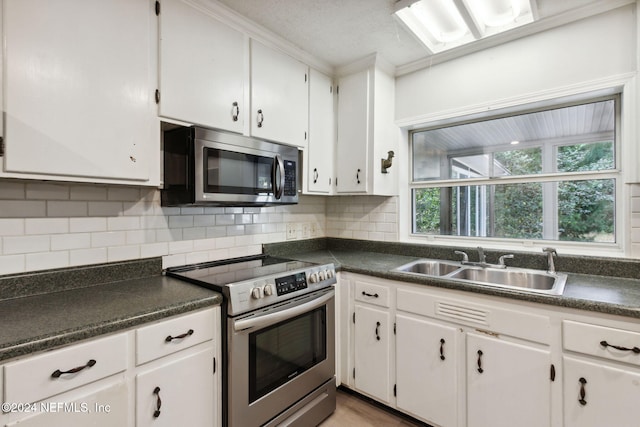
{"x":426,"y":370}
{"x":201,"y":68}
{"x":319,"y":159}
{"x":598,"y":395}
{"x":508,"y":384}
{"x":106,"y":407}
{"x":279,"y":96}
{"x":353,"y":133}
{"x":372,"y":361}
{"x":79,"y":89}
{"x":178,"y":393}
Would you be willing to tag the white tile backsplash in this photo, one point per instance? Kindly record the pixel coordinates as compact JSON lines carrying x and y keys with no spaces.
{"x":363,"y":217}
{"x":51,"y":225}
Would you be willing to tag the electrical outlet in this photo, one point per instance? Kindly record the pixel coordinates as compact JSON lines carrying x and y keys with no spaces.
{"x":291,"y":232}
{"x":313,"y":231}
{"x":306,"y":231}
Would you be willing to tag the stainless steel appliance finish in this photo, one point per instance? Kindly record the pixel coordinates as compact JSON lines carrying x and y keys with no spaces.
{"x":204,"y":167}
{"x":280,"y":338}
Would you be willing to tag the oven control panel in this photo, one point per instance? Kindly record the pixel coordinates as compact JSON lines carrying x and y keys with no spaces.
{"x":293,"y":283}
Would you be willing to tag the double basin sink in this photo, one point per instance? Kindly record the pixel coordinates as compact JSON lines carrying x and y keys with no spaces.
{"x":522,"y":279}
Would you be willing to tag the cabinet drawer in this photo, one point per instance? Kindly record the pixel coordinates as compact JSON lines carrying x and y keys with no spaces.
{"x":38,"y":377}
{"x":175,"y":334}
{"x":601,"y":341}
{"x":372,"y":294}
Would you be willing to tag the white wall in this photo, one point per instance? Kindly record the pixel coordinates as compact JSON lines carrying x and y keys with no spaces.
{"x":47,"y":225}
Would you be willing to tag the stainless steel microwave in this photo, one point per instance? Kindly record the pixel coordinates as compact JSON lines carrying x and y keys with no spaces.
{"x":204,"y":167}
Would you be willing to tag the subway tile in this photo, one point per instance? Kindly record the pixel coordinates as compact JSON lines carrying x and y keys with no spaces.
{"x":46,"y":260}
{"x":176,"y":221}
{"x":213,"y":211}
{"x":204,"y":244}
{"x":219,"y":231}
{"x":244,"y":219}
{"x":83,"y":225}
{"x":70,"y":241}
{"x":225,"y":242}
{"x":11,"y":264}
{"x":182,"y":246}
{"x":123,"y":194}
{"x":88,"y":256}
{"x":191,"y":211}
{"x":154,"y":222}
{"x":233,"y":210}
{"x":138,"y":237}
{"x":108,"y":238}
{"x":12,"y":190}
{"x":169,"y":235}
{"x":235,"y":230}
{"x":23,"y":209}
{"x":67,"y":209}
{"x":105,"y":208}
{"x":122,"y":253}
{"x":11,"y":226}
{"x":149,"y":250}
{"x":123,"y":223}
{"x":46,"y":191}
{"x":174,"y":260}
{"x":46,"y":225}
{"x":196,"y":257}
{"x":194,"y":233}
{"x":139,"y":208}
{"x":204,"y":220}
{"x":25,"y":244}
{"x":88,"y":192}
{"x":227,"y":219}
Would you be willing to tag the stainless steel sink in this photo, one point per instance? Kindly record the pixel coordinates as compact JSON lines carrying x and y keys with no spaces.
{"x":430,"y":267}
{"x":523,"y":279}
{"x":516,"y":278}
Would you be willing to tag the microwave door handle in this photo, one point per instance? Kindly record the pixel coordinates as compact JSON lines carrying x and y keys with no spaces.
{"x":278,"y":187}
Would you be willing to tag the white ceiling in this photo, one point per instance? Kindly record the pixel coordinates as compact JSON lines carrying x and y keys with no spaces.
{"x":339,"y":32}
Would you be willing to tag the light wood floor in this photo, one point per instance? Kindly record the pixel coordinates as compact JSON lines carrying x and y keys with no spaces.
{"x":353,"y":411}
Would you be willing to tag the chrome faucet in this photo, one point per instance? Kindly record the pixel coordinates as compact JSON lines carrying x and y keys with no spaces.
{"x":482,"y":258}
{"x":501,"y":263}
{"x":551,"y":268}
{"x":465,"y":257}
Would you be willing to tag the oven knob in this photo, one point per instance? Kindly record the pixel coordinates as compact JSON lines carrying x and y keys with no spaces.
{"x":256,"y":293}
{"x":313,"y":278}
{"x":268,"y":290}
{"x":329,"y":274}
{"x":321,"y":275}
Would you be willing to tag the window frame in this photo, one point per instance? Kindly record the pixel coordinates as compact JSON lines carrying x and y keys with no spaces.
{"x":545,"y":176}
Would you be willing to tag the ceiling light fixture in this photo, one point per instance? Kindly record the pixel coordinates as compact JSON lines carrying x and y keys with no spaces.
{"x":444,"y":24}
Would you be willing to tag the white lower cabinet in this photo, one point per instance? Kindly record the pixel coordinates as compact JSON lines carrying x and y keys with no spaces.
{"x":427,"y":354}
{"x":508,"y":384}
{"x":162,"y":398}
{"x":98,"y":382}
{"x":372,"y":337}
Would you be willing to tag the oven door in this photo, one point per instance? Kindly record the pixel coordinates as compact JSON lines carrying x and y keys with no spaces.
{"x":280,"y":355}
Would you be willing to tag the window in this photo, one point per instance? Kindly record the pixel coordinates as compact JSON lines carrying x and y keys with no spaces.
{"x":548,"y":175}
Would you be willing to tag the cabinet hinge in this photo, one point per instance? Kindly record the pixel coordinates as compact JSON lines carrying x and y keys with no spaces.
{"x":1,"y":146}
{"x":337,"y":90}
{"x":214,"y":365}
{"x":330,"y":89}
{"x":157,"y":8}
{"x":157,"y":96}
{"x":394,"y":328}
{"x":395,"y":390}
{"x":354,"y":373}
{"x":305,"y":136}
{"x":305,"y":77}
{"x":553,"y":373}
{"x":354,"y":317}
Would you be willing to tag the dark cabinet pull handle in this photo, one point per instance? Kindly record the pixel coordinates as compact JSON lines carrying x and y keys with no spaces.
{"x":179,"y":337}
{"x":370,"y":295}
{"x":315,"y":175}
{"x":156,"y":413}
{"x":442,"y":349}
{"x":480,"y":361}
{"x":582,"y":392}
{"x":57,"y":373}
{"x":358,"y":176}
{"x":378,"y":331}
{"x":605,"y":344}
{"x":236,"y":112}
{"x":260,"y":118}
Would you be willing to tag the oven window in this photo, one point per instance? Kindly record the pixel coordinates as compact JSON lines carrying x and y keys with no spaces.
{"x":229,"y":172}
{"x":285,"y":350}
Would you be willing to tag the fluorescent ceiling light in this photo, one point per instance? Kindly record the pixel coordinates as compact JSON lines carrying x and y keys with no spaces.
{"x":445,"y":24}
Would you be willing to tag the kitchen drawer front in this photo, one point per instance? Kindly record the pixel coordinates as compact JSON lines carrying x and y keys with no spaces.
{"x":600,"y":341}
{"x":372,"y":294}
{"x":33,"y":379}
{"x":166,"y":337}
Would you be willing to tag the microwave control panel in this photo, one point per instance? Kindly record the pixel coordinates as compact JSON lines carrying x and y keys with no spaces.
{"x":290,"y":187}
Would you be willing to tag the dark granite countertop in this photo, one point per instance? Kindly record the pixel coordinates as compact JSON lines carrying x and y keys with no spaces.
{"x":45,"y":319}
{"x":605,"y":294}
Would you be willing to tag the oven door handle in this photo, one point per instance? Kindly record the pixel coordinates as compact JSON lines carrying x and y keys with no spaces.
{"x":270,"y":319}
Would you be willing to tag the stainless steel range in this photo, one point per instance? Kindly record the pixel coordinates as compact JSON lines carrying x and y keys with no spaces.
{"x":279,"y":338}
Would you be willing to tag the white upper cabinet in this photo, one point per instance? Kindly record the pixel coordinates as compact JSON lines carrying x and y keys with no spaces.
{"x":201,"y":74}
{"x":366,"y":132}
{"x":279,"y":96}
{"x":318,"y":162}
{"x":79,"y":99}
